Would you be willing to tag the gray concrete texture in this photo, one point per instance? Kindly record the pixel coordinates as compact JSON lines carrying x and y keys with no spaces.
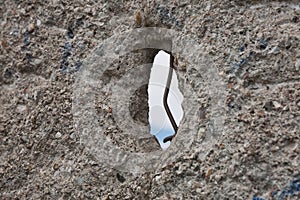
{"x":74,"y":113}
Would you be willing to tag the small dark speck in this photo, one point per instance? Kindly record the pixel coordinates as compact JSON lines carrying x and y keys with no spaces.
{"x":28,"y":57}
{"x":268,"y":106}
{"x":288,"y":45}
{"x":243,"y":32}
{"x":275,"y":193}
{"x":242,"y":48}
{"x":80,"y":21}
{"x":70,"y":33}
{"x":295,"y":19}
{"x":78,"y":65}
{"x":26,"y":39}
{"x":8,"y":73}
{"x":120,"y":178}
{"x":68,"y":46}
{"x":231,"y":104}
{"x":202,"y":113}
{"x":263,"y":44}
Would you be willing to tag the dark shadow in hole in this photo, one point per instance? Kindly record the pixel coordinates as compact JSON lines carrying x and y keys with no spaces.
{"x":138,"y":106}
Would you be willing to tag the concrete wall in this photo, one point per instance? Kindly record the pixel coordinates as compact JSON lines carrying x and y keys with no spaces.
{"x":66,"y":67}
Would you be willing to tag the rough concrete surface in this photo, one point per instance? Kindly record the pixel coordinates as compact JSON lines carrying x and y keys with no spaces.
{"x":252,"y":45}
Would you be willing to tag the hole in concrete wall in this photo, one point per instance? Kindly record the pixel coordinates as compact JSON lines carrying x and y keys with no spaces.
{"x":122,"y":70}
{"x":160,"y":125}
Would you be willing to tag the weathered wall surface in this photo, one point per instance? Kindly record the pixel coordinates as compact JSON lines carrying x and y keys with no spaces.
{"x":252,"y":45}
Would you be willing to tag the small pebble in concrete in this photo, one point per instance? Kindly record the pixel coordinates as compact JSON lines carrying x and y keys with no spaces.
{"x":58,"y":135}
